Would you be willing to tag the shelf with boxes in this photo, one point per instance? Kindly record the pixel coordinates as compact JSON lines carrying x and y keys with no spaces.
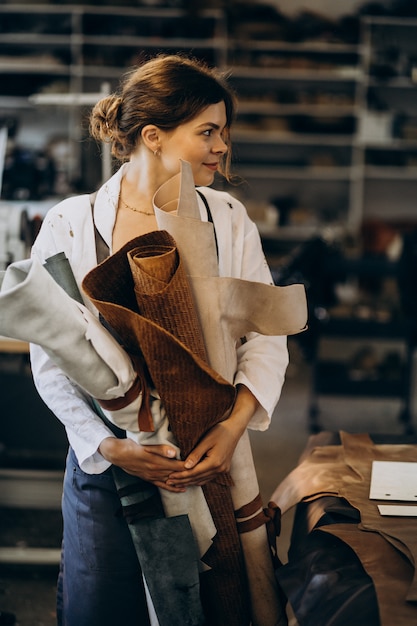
{"x":83,"y":45}
{"x":326,"y":133}
{"x":326,"y":136}
{"x":294,"y":136}
{"x":363,"y":343}
{"x":58,"y":59}
{"x":388,"y":125}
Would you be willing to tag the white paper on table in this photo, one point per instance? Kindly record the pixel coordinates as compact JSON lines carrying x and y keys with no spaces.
{"x":393,"y":480}
{"x":398,"y":510}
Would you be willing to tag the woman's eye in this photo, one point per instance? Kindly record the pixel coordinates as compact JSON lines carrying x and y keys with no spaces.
{"x":208,"y":132}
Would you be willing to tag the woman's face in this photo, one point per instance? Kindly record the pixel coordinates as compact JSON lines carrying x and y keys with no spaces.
{"x":198,"y":141}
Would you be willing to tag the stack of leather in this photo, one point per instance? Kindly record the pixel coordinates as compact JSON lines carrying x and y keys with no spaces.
{"x":335,"y":481}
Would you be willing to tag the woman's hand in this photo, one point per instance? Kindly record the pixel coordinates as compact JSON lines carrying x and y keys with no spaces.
{"x":151,"y":463}
{"x":213,"y":454}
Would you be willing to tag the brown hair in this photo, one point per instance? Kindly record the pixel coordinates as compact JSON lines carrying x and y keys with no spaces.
{"x":167,"y":91}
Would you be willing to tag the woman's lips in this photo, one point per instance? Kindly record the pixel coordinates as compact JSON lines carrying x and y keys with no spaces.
{"x":212,"y":166}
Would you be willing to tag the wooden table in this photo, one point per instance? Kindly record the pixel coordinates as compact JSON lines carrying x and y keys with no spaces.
{"x":13,"y":346}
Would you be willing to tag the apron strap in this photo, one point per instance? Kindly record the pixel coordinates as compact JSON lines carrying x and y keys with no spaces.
{"x":209,"y":217}
{"x":102,"y":249}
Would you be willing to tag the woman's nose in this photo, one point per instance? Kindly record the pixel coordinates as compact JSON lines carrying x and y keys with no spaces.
{"x":220,"y":146}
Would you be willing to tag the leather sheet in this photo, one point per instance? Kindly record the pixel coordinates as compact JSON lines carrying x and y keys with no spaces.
{"x":385,"y":546}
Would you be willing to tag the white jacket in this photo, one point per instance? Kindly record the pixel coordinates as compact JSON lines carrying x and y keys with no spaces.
{"x":68,"y":227}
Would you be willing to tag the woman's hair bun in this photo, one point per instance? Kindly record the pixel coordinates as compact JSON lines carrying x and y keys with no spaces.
{"x":104,"y":118}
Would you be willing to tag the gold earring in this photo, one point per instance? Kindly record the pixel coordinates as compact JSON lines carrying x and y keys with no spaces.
{"x":157,"y":152}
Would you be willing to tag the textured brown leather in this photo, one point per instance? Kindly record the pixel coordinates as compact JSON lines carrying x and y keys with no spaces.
{"x":195,"y":396}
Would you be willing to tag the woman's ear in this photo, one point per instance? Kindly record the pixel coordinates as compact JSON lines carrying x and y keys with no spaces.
{"x":151,"y":137}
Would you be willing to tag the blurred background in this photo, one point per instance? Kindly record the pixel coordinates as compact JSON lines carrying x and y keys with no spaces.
{"x":325,"y":158}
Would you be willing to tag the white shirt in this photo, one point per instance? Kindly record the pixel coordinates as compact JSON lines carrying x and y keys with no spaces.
{"x":68,"y":227}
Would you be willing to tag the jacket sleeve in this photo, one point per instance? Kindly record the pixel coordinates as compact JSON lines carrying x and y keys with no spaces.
{"x":85,"y":430}
{"x":262,"y":360}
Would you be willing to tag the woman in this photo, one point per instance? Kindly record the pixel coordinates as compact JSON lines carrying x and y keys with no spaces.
{"x":169,"y":109}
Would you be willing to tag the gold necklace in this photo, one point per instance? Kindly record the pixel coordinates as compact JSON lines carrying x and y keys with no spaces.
{"x":132,"y":208}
